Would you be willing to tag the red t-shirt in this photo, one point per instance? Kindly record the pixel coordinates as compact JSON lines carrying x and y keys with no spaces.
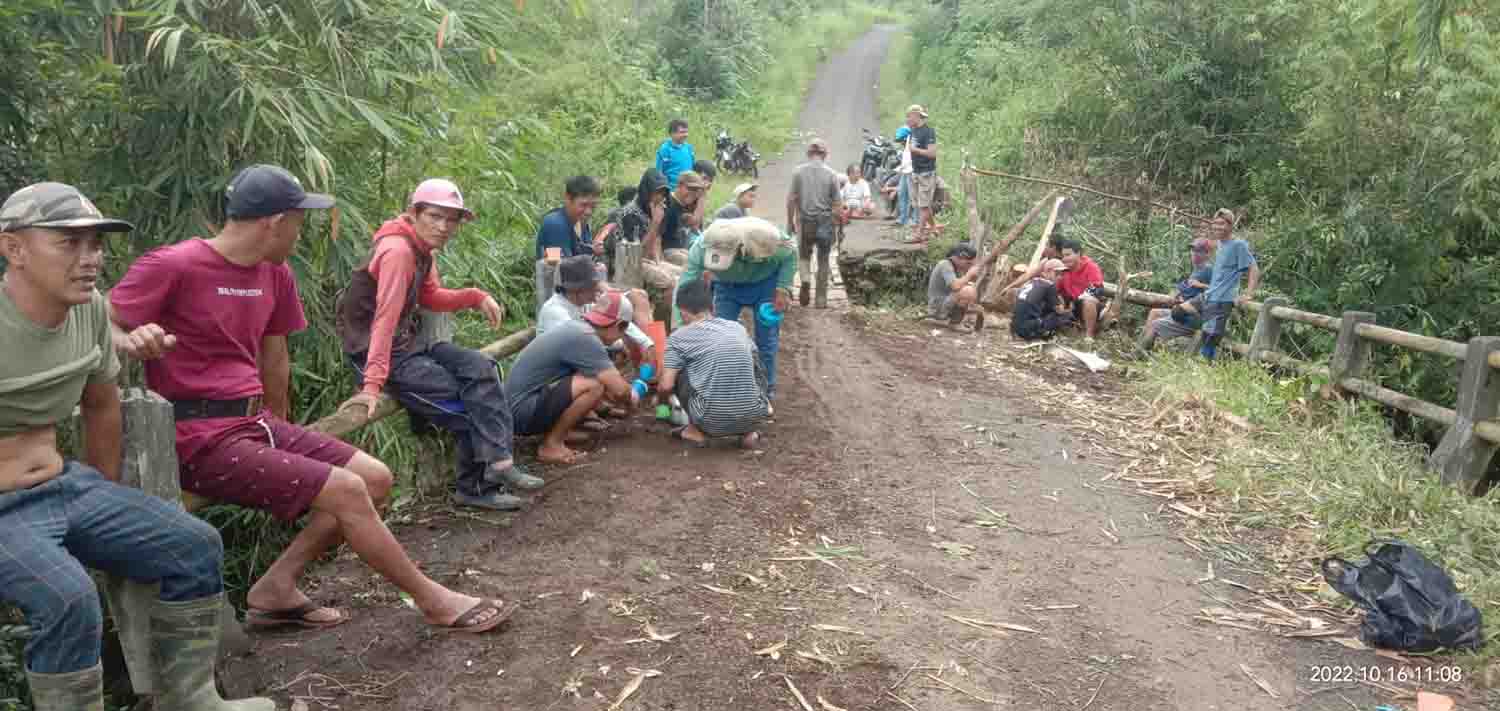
{"x":219,"y":311}
{"x":1075,"y":281}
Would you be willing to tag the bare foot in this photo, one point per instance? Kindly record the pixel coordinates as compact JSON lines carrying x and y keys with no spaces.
{"x":577,"y":437}
{"x":557,"y":455}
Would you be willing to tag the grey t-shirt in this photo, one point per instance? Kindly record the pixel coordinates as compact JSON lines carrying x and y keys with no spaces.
{"x":726,"y":387}
{"x":729,"y":212}
{"x":568,"y":348}
{"x":940,"y":287}
{"x":817,"y":189}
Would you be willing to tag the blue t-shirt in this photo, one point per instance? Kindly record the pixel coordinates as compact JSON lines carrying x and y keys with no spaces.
{"x":672,"y":159}
{"x":556,"y":232}
{"x":1233,"y":259}
{"x":1202,"y":275}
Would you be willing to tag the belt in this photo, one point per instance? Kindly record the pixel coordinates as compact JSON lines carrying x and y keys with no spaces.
{"x":206,"y":409}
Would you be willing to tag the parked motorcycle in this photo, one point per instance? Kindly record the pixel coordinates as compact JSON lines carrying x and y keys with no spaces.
{"x":744,"y":160}
{"x":723,"y":146}
{"x":880,"y":156}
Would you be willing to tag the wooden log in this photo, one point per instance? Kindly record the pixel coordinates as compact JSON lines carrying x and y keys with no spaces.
{"x":1351,"y":353}
{"x":992,"y":291}
{"x":1327,"y":323}
{"x":1463,"y":457}
{"x":1060,"y":211}
{"x":343,"y":422}
{"x":1079,"y":188}
{"x":1413,"y":341}
{"x":1138,"y":297}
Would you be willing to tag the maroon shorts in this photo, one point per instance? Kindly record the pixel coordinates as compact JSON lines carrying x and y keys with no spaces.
{"x":268,"y":464}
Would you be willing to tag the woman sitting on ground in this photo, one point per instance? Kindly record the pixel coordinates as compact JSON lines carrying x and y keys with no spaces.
{"x":713,"y":368}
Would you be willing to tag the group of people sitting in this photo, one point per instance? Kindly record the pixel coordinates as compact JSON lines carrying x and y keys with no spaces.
{"x":1065,"y":288}
{"x":210,"y":318}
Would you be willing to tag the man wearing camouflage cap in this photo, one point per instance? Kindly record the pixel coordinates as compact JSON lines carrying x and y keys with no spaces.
{"x":59,"y":517}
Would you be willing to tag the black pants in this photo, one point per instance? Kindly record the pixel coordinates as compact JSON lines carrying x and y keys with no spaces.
{"x":432,"y":383}
{"x":1038,"y":328}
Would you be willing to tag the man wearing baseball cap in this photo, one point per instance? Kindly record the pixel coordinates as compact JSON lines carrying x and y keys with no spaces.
{"x":230,"y":302}
{"x":810,"y":204}
{"x":741,"y":205}
{"x":456,"y":388}
{"x":752,"y":263}
{"x":59,"y":517}
{"x":565,"y":373}
{"x":924,"y":181}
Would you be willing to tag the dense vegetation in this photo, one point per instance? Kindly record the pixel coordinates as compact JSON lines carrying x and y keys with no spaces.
{"x":151,"y":105}
{"x":1357,"y":136}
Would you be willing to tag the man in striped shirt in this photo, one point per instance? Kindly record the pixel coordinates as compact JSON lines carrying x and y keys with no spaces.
{"x":712,"y":367}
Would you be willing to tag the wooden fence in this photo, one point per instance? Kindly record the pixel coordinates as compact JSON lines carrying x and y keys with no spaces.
{"x":1463,"y":456}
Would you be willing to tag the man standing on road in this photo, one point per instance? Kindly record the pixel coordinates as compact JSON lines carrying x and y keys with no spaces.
{"x":61,"y":516}
{"x":675,"y":156}
{"x":230,"y":302}
{"x":810,"y":204}
{"x":1233,"y":259}
{"x":950,"y":285}
{"x":456,"y":388}
{"x":924,"y":182}
{"x":567,"y":227}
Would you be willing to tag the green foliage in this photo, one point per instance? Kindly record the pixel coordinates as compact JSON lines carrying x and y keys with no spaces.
{"x":1357,"y":135}
{"x":1330,"y":474}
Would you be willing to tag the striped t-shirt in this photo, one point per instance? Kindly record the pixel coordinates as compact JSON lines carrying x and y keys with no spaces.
{"x":720,"y":382}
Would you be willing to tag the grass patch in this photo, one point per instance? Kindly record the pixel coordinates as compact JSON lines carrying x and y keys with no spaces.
{"x":1329,"y":476}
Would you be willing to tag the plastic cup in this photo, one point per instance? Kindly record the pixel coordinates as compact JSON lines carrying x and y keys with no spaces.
{"x":768,"y":315}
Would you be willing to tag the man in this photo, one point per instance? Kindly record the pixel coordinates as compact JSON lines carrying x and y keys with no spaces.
{"x":924,"y":181}
{"x":1223,"y":294}
{"x":645,"y":220}
{"x":1039,"y":312}
{"x":1082,"y":287}
{"x":901,"y":191}
{"x":453,"y":387}
{"x":752,"y":264}
{"x":810,"y":204}
{"x":567,"y":227}
{"x":711,"y":366}
{"x":565,"y":374}
{"x":59,"y":517}
{"x":578,"y":290}
{"x":675,"y":155}
{"x":231,"y":301}
{"x":684,"y":217}
{"x":1183,"y":318}
{"x":950,"y":285}
{"x":741,"y":205}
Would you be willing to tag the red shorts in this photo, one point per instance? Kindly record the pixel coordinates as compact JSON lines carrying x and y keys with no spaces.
{"x":268,"y":464}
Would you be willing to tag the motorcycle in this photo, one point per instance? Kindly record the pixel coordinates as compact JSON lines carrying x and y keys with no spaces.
{"x":723,"y":145}
{"x":744,"y":160}
{"x":880,"y":156}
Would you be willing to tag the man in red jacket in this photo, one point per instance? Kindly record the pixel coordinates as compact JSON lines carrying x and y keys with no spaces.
{"x":1081,"y":286}
{"x":453,"y":387}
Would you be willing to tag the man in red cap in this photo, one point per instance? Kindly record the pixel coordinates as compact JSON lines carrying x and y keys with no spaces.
{"x":565,"y":373}
{"x":456,"y":388}
{"x":230,"y":302}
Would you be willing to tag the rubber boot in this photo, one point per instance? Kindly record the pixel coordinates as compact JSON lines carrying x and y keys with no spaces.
{"x":184,"y":646}
{"x":822,"y":300}
{"x":72,"y":691}
{"x":804,"y":294}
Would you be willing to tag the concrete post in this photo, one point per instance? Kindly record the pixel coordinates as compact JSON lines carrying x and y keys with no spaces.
{"x":1463,"y":458}
{"x":628,"y":272}
{"x":1351,"y":353}
{"x":1267,"y":330}
{"x":546,"y":279}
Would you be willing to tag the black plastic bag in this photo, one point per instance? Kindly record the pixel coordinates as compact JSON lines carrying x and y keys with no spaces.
{"x":1411,"y":603}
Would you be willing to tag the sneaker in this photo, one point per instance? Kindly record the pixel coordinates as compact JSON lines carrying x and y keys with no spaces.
{"x":494,"y":501}
{"x":514,"y":475}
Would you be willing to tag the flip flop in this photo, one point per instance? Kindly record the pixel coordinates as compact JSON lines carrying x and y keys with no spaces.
{"x":678,"y":434}
{"x":293,"y":617}
{"x":469,"y":623}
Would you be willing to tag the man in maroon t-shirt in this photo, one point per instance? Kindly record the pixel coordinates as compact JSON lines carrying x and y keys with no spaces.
{"x":219,"y":312}
{"x":1081,"y":286}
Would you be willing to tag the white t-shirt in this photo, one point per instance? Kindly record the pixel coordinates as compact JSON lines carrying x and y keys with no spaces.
{"x":856,"y":194}
{"x":905,"y":168}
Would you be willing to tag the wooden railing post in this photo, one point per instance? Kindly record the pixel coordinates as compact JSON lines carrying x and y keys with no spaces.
{"x":1463,"y":458}
{"x":628,"y":265}
{"x":1351,"y":353}
{"x":1267,"y":330}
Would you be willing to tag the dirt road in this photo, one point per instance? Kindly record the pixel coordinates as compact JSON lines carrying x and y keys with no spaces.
{"x":876,"y":536}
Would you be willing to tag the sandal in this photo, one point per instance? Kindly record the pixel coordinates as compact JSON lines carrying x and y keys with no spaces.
{"x":299,"y":616}
{"x":680,"y":433}
{"x":471,"y":622}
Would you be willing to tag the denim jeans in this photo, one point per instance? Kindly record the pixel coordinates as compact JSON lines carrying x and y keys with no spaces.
{"x":905,"y":214}
{"x":730,"y":298}
{"x":459,"y":390}
{"x":51,"y":531}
